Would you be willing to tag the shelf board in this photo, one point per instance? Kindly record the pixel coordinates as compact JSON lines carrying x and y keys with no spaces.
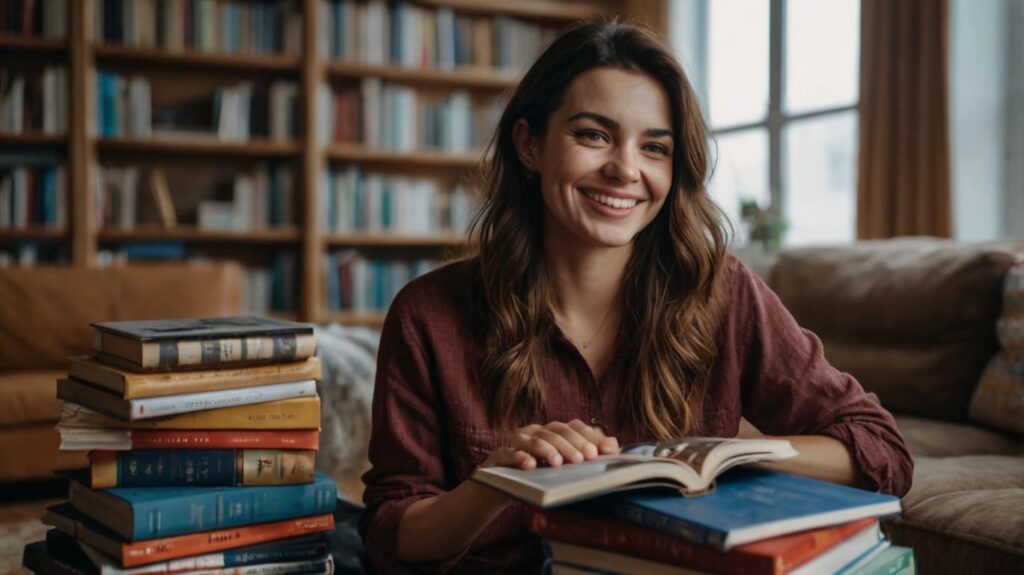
{"x":430,"y":159}
{"x":11,"y":42}
{"x":34,"y":139}
{"x":114,"y":54}
{"x":466,"y":77}
{"x":531,"y":9}
{"x":195,"y":235}
{"x":368,"y":319}
{"x":394,"y":240}
{"x":252,"y":148}
{"x":33,"y":233}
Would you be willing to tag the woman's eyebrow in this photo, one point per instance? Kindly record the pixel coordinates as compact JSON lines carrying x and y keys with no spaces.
{"x":611,"y":124}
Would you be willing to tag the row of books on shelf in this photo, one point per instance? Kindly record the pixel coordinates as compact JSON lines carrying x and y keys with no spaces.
{"x":33,"y":196}
{"x":125,"y":108}
{"x":696,"y":505}
{"x":410,"y":35}
{"x":198,"y":459}
{"x":45,"y":18}
{"x":355,"y":201}
{"x":30,"y":253}
{"x":226,"y":26}
{"x":358,"y":284}
{"x":34,"y":100}
{"x":262,"y":197}
{"x":394,"y":117}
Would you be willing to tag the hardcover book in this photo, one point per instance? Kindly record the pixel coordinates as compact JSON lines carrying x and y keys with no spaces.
{"x":150,"y":512}
{"x":135,"y":553}
{"x":749,"y":505}
{"x":690,"y":466}
{"x":298,"y":413}
{"x":202,"y":343}
{"x":103,"y":439}
{"x":134,"y":385}
{"x":200,"y":467}
{"x":585,"y":526}
{"x":101,"y":400}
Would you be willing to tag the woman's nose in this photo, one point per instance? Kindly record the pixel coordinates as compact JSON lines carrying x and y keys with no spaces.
{"x":623,"y":166}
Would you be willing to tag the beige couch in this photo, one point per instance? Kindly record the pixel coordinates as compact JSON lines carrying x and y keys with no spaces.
{"x":914,"y":320}
{"x":45,"y":314}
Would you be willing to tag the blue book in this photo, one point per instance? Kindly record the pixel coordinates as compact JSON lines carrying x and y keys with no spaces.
{"x":155,"y":251}
{"x":893,"y":560}
{"x":151,"y":512}
{"x":749,"y":505}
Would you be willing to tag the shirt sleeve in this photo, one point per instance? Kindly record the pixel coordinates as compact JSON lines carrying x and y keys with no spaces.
{"x":405,"y":443}
{"x":789,"y":388}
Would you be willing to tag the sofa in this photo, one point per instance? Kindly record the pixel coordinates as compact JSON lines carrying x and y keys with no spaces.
{"x":45,"y":317}
{"x":915,"y":320}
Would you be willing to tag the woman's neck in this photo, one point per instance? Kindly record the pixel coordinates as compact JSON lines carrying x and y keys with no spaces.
{"x":585,"y":280}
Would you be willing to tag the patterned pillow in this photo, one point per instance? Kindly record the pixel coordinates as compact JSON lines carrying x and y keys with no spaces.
{"x":999,"y":398}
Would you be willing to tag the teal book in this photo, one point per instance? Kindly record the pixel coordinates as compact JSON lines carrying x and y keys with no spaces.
{"x":151,"y":512}
{"x":894,"y":560}
{"x":749,"y":505}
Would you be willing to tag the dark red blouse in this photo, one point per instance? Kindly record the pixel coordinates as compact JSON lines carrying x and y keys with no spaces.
{"x":430,"y":425}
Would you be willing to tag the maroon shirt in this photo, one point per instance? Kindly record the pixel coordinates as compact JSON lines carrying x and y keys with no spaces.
{"x":430,"y":426}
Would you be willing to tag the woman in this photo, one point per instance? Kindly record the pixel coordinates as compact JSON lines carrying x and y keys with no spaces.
{"x":601,"y":308}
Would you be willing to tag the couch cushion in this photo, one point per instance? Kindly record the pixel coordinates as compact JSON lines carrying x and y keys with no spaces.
{"x":29,"y":396}
{"x":999,"y":398}
{"x":936,"y":438}
{"x":974,"y":504}
{"x":913,"y":319}
{"x":33,"y":452}
{"x":47,"y":311}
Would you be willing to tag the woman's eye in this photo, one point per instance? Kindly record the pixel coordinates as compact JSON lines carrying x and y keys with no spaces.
{"x":658,"y":149}
{"x":591,"y":136}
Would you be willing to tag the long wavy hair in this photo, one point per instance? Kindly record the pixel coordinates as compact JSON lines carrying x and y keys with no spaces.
{"x":669,"y":294}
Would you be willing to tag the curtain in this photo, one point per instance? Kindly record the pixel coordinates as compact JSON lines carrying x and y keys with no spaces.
{"x":903,"y":184}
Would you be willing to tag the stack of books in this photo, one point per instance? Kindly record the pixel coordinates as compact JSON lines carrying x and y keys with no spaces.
{"x":202,"y":436}
{"x":673,"y":509}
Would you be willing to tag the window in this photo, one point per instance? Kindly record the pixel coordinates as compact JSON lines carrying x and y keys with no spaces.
{"x":779,"y":82}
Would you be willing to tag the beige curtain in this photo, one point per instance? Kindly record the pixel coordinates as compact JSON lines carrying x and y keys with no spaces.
{"x":903,"y":184}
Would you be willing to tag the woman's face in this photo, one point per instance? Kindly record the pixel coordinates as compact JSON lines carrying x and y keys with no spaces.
{"x":605,"y":162}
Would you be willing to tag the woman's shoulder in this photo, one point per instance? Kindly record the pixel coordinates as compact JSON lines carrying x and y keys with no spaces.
{"x":440,"y":294}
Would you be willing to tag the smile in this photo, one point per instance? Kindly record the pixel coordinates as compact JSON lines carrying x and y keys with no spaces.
{"x":618,"y":203}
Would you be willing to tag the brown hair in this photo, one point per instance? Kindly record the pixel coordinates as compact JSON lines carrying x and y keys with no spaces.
{"x":669,"y":293}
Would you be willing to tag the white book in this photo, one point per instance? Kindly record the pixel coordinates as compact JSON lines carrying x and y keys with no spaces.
{"x":129,"y":195}
{"x":151,"y":407}
{"x":6,"y":219}
{"x":445,"y":38}
{"x":20,"y":206}
{"x":244,"y":91}
{"x":49,"y":100}
{"x":17,"y":103}
{"x":140,"y":116}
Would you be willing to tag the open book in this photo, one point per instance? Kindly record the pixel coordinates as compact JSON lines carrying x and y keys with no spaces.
{"x":689,"y":465}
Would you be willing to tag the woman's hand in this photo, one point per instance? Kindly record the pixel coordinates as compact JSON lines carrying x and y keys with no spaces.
{"x":553,"y":443}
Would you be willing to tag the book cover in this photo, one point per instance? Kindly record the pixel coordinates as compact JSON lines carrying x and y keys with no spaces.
{"x":689,"y":465}
{"x":101,"y":400}
{"x":583,"y":525}
{"x":136,"y":553}
{"x":200,"y":467}
{"x":893,"y":560}
{"x":749,"y":505}
{"x":134,"y":385}
{"x":104,"y":439}
{"x":150,"y":512}
{"x":203,"y":342}
{"x":298,"y":413}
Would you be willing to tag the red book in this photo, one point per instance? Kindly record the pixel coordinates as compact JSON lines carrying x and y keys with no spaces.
{"x":774,"y":556}
{"x":28,"y":17}
{"x":225,"y":439}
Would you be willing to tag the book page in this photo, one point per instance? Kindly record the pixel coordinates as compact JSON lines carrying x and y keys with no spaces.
{"x":692,"y":452}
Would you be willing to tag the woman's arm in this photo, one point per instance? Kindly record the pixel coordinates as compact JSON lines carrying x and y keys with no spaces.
{"x":818,"y":456}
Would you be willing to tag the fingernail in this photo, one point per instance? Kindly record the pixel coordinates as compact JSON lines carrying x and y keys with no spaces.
{"x":576,"y":457}
{"x":555,"y":460}
{"x":590,"y":450}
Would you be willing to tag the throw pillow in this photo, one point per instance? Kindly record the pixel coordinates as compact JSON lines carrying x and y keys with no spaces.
{"x":999,"y":398}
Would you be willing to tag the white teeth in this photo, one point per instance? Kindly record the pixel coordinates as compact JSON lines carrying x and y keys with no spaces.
{"x":619,"y":203}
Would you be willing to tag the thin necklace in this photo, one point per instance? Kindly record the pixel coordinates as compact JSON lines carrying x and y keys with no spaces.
{"x":600,"y":328}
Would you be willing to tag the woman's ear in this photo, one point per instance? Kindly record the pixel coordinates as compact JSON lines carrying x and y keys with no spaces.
{"x":526,"y":144}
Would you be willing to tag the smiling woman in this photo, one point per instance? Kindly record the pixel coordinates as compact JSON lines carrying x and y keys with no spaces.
{"x":601,"y":307}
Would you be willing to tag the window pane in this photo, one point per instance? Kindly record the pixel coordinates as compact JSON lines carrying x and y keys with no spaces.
{"x":741,"y":173}
{"x":821,"y":180}
{"x":822,"y":54}
{"x":737,"y":62}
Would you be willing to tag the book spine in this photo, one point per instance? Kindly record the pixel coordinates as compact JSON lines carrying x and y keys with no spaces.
{"x":214,"y":380}
{"x":220,"y":508}
{"x":168,"y":355}
{"x":169,"y":405}
{"x":166,"y":548}
{"x":288,"y":414}
{"x":688,"y":531}
{"x":201,"y":467}
{"x":622,"y":537}
{"x":225,"y":439}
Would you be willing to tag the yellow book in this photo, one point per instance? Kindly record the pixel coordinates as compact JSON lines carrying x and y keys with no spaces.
{"x":129,"y":384}
{"x":297,"y":413}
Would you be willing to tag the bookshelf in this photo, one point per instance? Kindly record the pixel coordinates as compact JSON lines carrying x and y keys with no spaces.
{"x":309,"y":157}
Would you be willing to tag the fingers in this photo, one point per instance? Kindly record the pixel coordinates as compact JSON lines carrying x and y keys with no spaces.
{"x":557,"y":443}
{"x":510,"y":457}
{"x":604,"y":445}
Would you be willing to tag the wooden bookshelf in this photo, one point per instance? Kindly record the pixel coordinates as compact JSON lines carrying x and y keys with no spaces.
{"x":307,"y":156}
